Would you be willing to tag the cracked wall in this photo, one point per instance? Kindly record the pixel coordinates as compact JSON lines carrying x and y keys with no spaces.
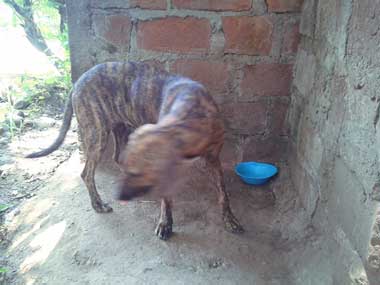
{"x":335,"y":140}
{"x":242,"y":50}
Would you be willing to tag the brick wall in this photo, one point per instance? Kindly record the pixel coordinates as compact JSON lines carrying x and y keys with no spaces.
{"x":242,"y":50}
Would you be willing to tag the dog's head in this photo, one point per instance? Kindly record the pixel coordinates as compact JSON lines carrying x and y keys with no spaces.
{"x":147,"y":161}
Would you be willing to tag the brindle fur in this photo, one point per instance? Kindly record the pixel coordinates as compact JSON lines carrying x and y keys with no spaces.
{"x":156,"y":120}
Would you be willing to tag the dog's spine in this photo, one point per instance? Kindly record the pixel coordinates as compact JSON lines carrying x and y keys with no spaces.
{"x":67,"y":116}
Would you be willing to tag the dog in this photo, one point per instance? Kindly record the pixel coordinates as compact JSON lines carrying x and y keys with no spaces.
{"x":157,"y":120}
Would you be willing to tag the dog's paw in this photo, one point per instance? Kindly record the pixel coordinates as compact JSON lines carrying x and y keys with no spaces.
{"x":232,"y":225}
{"x":163,"y":230}
{"x":102,"y":208}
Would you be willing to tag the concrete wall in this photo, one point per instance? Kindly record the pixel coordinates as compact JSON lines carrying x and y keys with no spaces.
{"x":242,"y":50}
{"x":334,"y":114}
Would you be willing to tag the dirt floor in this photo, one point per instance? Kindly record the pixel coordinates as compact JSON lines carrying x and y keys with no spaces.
{"x":51,"y":235}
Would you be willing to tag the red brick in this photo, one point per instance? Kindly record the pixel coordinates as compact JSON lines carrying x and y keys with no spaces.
{"x":278,"y":124}
{"x":149,"y":4}
{"x":115,"y":29}
{"x":284,"y":5}
{"x":155,"y":63}
{"x":174,"y":34}
{"x":213,"y":75}
{"x":248,"y":35}
{"x":291,"y":39}
{"x":214,"y":5}
{"x":266,"y":80}
{"x":246,"y":118}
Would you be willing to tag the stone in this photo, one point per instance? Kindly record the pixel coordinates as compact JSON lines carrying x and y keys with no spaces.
{"x":44,"y":122}
{"x":3,"y":141}
{"x":21,"y":104}
{"x":28,"y":123}
{"x":291,"y":39}
{"x":278,"y":123}
{"x":305,"y":72}
{"x":374,"y":257}
{"x":248,"y":35}
{"x":3,"y":130}
{"x":308,"y":15}
{"x":375,"y":194}
{"x":21,"y":114}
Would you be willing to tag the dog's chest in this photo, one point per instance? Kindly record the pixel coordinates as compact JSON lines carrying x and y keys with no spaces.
{"x":146,"y":98}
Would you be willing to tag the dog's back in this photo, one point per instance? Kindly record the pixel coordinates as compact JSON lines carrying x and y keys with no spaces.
{"x":137,"y":94}
{"x":125,"y":92}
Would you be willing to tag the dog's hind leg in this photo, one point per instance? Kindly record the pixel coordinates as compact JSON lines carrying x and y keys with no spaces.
{"x":95,"y":143}
{"x":165,"y":223}
{"x":214,"y":169}
{"x":120,"y":134}
{"x":82,"y":156}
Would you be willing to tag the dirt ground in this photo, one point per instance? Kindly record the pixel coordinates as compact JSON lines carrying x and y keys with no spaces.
{"x":51,"y":235}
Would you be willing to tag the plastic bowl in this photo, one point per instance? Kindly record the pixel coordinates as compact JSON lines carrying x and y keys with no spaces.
{"x":256,"y":173}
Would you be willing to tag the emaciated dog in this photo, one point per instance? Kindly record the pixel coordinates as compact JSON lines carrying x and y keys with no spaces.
{"x":157,"y":119}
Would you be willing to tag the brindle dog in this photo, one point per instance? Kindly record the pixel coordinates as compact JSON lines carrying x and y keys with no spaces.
{"x":157,"y":119}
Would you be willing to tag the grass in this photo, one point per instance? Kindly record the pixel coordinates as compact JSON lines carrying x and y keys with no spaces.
{"x":39,"y":92}
{"x":4,"y":207}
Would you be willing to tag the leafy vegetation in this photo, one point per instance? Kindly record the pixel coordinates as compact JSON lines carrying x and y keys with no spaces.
{"x":4,"y":207}
{"x":44,"y":23}
{"x":38,"y":18}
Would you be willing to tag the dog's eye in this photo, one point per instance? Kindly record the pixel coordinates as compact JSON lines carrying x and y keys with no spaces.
{"x":134,"y":174}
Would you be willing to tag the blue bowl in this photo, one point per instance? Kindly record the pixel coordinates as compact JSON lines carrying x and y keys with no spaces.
{"x":256,"y":173}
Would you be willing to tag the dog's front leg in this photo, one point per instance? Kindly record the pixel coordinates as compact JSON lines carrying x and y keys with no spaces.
{"x":165,"y":224}
{"x":214,"y":168}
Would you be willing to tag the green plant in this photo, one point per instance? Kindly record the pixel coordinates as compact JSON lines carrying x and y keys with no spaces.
{"x":48,"y":23}
{"x":4,"y":207}
{"x":41,"y":93}
{"x":41,"y":20}
{"x":10,"y":115}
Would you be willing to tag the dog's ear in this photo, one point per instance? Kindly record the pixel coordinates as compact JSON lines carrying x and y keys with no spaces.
{"x":144,"y":130}
{"x":150,"y":149}
{"x":136,"y":144}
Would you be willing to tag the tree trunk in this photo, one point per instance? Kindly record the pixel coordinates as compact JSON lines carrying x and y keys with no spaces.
{"x":61,"y":6}
{"x":33,"y":33}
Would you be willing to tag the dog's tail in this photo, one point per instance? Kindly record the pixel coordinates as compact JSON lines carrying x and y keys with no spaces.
{"x":68,"y":114}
